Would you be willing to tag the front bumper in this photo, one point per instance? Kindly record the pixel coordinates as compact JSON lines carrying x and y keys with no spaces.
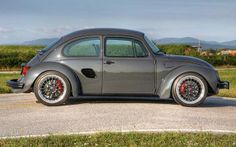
{"x":223,"y":85}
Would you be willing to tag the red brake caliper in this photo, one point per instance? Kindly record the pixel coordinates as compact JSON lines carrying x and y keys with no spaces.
{"x":59,"y":85}
{"x":182,"y":89}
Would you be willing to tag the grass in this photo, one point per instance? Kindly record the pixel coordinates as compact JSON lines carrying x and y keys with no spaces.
{"x":127,"y":139}
{"x":3,"y":78}
{"x":226,"y":74}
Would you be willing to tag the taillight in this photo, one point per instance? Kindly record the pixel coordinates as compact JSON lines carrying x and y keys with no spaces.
{"x":24,"y":70}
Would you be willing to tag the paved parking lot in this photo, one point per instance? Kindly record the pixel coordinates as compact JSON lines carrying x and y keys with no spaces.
{"x":21,"y":115}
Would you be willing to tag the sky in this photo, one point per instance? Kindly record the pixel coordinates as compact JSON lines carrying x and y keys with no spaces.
{"x":24,"y":20}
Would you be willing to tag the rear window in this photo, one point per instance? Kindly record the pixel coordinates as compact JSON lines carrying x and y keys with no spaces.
{"x":86,"y":47}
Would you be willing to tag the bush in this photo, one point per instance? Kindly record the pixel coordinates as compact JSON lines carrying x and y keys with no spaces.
{"x":13,"y":55}
{"x":176,"y":49}
{"x":181,"y":49}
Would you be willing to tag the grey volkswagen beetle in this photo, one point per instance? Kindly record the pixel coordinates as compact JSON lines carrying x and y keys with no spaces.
{"x":115,"y":63}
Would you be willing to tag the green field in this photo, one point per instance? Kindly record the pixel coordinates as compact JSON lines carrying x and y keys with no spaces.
{"x":225,"y":74}
{"x":128,"y":139}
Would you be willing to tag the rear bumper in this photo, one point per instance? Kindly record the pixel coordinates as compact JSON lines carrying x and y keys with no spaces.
{"x":223,"y":85}
{"x":16,"y":85}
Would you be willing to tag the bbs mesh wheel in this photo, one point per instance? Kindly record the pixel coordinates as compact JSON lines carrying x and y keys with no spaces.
{"x":52,"y":88}
{"x":189,"y":89}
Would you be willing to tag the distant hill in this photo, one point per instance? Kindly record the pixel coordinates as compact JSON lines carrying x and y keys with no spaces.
{"x":44,"y":41}
{"x":194,"y":42}
{"x":231,"y":43}
{"x":186,"y":40}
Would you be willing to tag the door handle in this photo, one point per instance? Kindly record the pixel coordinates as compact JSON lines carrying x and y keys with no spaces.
{"x":109,"y":62}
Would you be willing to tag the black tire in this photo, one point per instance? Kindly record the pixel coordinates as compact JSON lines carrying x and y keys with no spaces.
{"x":184,"y":100}
{"x":66,"y":91}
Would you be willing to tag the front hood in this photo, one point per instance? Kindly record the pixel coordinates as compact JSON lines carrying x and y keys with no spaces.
{"x":176,"y":59}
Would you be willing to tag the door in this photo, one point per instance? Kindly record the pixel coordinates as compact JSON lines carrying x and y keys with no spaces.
{"x":128,"y":68}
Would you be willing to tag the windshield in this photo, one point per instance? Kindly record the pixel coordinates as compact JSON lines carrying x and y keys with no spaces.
{"x":50,"y":45}
{"x":155,"y":49}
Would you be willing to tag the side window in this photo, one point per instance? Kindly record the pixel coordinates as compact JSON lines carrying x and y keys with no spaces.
{"x":124,"y":47}
{"x":119,"y":47}
{"x":140,"y":50}
{"x":87,"y":47}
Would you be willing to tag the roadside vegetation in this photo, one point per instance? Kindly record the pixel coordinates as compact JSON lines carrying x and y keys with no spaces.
{"x":127,"y":139}
{"x":11,"y":56}
{"x":212,"y":56}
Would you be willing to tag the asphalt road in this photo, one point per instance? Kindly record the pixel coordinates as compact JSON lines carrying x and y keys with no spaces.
{"x":20,"y":115}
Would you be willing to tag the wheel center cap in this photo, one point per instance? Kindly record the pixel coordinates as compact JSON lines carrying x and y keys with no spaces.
{"x":53,"y":88}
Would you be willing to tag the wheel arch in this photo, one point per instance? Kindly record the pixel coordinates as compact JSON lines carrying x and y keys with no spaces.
{"x":209,"y":75}
{"x":43,"y":67}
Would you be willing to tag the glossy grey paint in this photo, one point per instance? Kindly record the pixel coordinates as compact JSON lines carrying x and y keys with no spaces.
{"x":208,"y":74}
{"x":40,"y":68}
{"x":152,"y":75}
{"x":169,"y":67}
{"x":137,"y":74}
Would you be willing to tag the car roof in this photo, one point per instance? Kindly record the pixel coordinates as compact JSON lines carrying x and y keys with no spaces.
{"x":103,"y":31}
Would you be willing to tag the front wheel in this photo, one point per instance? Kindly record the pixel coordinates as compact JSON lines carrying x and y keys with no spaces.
{"x":52,"y":88}
{"x":189,"y":89}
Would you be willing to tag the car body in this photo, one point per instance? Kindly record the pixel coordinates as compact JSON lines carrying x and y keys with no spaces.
{"x":115,"y":63}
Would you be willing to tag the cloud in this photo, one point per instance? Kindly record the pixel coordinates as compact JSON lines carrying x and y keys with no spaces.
{"x":4,"y":30}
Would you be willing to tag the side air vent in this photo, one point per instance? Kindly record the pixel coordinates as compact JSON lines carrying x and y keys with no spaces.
{"x":88,"y":72}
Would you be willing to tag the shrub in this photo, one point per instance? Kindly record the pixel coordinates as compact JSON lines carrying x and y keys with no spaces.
{"x":11,"y":56}
{"x":181,"y":49}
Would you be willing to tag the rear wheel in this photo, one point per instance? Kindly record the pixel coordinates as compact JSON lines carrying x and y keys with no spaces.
{"x":189,"y":89}
{"x":52,"y":88}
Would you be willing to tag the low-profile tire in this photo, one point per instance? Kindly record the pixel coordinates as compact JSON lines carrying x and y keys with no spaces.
{"x":189,"y":89}
{"x":52,"y":88}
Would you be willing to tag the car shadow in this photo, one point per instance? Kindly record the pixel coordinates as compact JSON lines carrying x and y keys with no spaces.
{"x":73,"y":101}
{"x":209,"y":102}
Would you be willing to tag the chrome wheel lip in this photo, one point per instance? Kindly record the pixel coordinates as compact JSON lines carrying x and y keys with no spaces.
{"x":52,"y":101}
{"x":200,"y":83}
